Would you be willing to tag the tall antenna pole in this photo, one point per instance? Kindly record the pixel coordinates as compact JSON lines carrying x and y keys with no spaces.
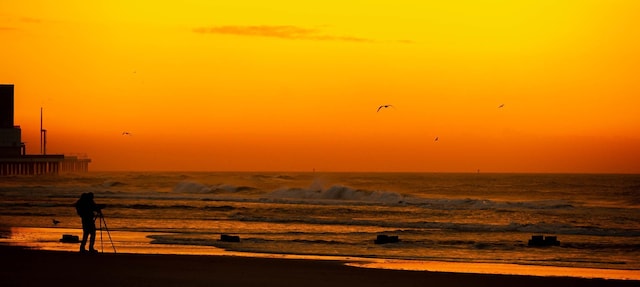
{"x":41,"y":150}
{"x":43,"y":136}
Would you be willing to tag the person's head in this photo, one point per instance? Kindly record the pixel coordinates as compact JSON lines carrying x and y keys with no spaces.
{"x":86,"y":196}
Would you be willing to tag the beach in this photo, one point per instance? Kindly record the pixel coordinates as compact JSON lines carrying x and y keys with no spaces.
{"x":26,"y":267}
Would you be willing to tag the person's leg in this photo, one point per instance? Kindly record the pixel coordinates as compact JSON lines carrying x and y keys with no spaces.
{"x":92,"y":238}
{"x":86,"y":230}
{"x":85,"y":234}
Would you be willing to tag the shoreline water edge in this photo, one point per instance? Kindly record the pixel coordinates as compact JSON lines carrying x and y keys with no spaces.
{"x":28,"y":267}
{"x":51,"y":239}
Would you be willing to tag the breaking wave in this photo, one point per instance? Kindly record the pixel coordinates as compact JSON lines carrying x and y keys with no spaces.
{"x":196,"y":187}
{"x":337,"y":192}
{"x":112,"y":183}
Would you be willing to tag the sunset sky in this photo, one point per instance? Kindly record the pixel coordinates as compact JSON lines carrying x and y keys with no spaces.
{"x":295,"y":85}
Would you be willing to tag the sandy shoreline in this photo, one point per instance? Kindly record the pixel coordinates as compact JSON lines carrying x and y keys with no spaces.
{"x":24,"y":267}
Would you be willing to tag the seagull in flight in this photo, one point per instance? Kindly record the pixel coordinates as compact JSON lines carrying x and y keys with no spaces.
{"x":126,"y":133}
{"x":384,"y":107}
{"x":436,"y":139}
{"x":55,"y":222}
{"x":501,"y":106}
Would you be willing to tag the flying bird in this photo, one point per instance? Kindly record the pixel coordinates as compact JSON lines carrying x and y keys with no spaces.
{"x":436,"y":139}
{"x":384,"y":107}
{"x":501,"y":106}
{"x":55,"y":222}
{"x":126,"y":133}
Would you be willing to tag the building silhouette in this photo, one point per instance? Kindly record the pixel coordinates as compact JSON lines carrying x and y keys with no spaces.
{"x":14,"y":159}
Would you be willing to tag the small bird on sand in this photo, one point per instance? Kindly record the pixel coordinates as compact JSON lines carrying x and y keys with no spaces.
{"x":55,"y":222}
{"x":384,"y":107}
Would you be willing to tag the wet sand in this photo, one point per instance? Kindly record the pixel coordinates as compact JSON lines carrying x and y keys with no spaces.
{"x":25,"y":267}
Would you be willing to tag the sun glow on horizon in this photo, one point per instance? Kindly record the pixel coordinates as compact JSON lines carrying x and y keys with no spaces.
{"x":292,"y":86}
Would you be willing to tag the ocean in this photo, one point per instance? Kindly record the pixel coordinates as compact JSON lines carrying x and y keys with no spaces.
{"x":441,"y":217}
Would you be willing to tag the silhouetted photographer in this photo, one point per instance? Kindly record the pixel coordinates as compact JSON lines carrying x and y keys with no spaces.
{"x":88,"y":211}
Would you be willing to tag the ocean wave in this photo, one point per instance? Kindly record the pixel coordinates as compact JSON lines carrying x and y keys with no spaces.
{"x":24,"y":213}
{"x":539,"y":228}
{"x":344,"y":193}
{"x":34,"y":204}
{"x":337,"y":192}
{"x":486,"y":204}
{"x":196,"y":187}
{"x":427,"y":226}
{"x":112,"y":183}
{"x":172,"y":206}
{"x":220,"y":208}
{"x":192,"y":187}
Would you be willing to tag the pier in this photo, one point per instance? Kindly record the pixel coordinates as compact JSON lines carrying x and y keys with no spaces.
{"x":13,"y":157}
{"x":43,"y":164}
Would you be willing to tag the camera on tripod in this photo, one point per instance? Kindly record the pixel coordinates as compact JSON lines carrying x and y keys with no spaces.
{"x":99,"y":208}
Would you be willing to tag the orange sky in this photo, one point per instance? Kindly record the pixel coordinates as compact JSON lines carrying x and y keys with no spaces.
{"x":294,"y":85}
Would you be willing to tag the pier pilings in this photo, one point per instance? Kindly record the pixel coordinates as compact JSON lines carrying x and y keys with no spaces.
{"x":42,"y":164}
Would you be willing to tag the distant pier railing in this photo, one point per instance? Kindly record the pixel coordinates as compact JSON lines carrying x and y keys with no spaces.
{"x":43,"y":164}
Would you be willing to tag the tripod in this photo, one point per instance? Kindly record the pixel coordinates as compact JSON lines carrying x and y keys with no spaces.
{"x":102,"y":221}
